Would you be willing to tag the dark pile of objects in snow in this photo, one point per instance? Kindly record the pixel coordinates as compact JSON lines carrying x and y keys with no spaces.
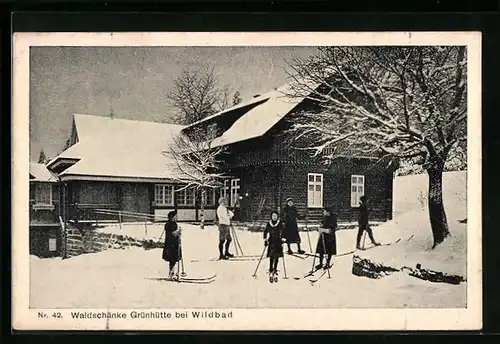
{"x":150,"y":244}
{"x":433,"y":276}
{"x":366,"y":268}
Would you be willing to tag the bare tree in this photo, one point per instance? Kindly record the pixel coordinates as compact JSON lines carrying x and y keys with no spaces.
{"x":198,"y":93}
{"x":403,"y":102}
{"x":199,"y":165}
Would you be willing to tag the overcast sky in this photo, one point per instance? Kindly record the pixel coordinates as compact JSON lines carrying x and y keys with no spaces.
{"x":134,"y":81}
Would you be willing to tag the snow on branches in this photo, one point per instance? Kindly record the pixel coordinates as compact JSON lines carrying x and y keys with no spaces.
{"x":197,"y":161}
{"x":198,"y":164}
{"x":405,"y":102}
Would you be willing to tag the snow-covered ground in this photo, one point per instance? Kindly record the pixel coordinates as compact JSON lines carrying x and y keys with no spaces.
{"x":118,"y":278}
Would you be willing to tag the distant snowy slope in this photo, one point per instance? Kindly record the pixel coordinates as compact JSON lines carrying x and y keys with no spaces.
{"x":410,"y":193}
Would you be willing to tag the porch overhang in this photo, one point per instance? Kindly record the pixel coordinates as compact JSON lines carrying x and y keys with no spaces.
{"x":125,"y":179}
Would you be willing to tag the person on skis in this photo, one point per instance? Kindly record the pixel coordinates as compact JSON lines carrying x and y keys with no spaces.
{"x":327,"y":241}
{"x":363,"y":223}
{"x":224,"y":216}
{"x":291,"y":229}
{"x":273,"y":239}
{"x":172,"y":251}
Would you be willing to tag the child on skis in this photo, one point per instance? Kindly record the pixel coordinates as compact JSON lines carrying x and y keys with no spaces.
{"x":172,"y":251}
{"x":273,"y":239}
{"x":327,"y":241}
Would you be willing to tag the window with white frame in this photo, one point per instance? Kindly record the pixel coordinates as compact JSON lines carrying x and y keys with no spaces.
{"x":210,"y":196}
{"x":164,"y":194}
{"x":357,"y":189}
{"x":185,"y":196}
{"x":52,"y":244}
{"x":224,"y":191}
{"x":235,"y":190}
{"x":314,"y":190}
{"x":43,"y":194}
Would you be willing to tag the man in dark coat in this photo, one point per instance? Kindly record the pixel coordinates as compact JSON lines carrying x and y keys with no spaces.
{"x":327,"y":241}
{"x":291,"y":230}
{"x":363,"y":223}
{"x":172,"y":251}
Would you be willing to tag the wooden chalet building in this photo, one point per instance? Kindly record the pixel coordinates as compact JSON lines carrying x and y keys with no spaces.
{"x":44,"y":212}
{"x":267,"y":170}
{"x":119,"y":164}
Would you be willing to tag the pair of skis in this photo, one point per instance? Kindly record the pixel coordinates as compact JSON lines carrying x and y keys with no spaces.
{"x":204,"y":280}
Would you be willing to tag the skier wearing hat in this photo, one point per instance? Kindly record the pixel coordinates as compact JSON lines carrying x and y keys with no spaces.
{"x":224,"y":216}
{"x":327,"y":241}
{"x":291,"y":230}
{"x":172,"y":251}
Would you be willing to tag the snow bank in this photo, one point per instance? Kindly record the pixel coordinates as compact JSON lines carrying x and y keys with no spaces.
{"x":119,"y":278}
{"x":413,"y":220}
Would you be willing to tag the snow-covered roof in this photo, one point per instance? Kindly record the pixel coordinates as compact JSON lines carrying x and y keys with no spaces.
{"x":261,"y":118}
{"x":122,"y":148}
{"x":40,"y":173}
{"x":112,"y":147}
{"x":268,"y":110}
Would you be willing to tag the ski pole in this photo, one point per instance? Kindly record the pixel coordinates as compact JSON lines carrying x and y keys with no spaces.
{"x":178,"y":263}
{"x":237,"y":241}
{"x":324,"y":252}
{"x":284,"y":267}
{"x":231,"y":229}
{"x":234,"y":240}
{"x":314,"y":257}
{"x":309,"y":240}
{"x":161,"y":235}
{"x":260,"y":259}
{"x":183,"y":274}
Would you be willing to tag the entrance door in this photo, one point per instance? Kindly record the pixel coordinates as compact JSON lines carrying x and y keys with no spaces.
{"x":314,"y":190}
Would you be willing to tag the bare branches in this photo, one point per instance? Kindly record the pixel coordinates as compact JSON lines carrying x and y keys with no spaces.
{"x":198,"y":93}
{"x":401,"y":101}
{"x":198,"y":163}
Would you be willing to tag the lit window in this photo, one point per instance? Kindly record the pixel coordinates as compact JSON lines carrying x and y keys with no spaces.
{"x":224,"y":191}
{"x":357,"y":189}
{"x":315,"y":190}
{"x":210,"y":196}
{"x":164,"y":194}
{"x":52,"y":244}
{"x":235,"y":191}
{"x":186,"y":196}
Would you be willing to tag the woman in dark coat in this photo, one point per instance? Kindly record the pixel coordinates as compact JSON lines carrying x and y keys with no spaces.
{"x":327,"y":241}
{"x":172,"y":251}
{"x":273,"y":239}
{"x":291,"y":230}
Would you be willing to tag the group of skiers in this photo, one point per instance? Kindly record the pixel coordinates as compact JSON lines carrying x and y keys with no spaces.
{"x":280,"y":229}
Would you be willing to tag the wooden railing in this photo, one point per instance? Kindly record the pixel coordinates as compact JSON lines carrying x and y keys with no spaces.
{"x":119,"y":214}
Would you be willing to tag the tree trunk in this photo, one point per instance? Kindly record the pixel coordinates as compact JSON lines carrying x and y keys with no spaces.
{"x":437,"y":215}
{"x":202,"y":208}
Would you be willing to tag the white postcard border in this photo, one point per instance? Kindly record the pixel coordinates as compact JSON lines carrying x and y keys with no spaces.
{"x":24,"y":318}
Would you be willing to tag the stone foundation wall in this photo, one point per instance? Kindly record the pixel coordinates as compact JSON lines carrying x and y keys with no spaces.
{"x":81,"y":241}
